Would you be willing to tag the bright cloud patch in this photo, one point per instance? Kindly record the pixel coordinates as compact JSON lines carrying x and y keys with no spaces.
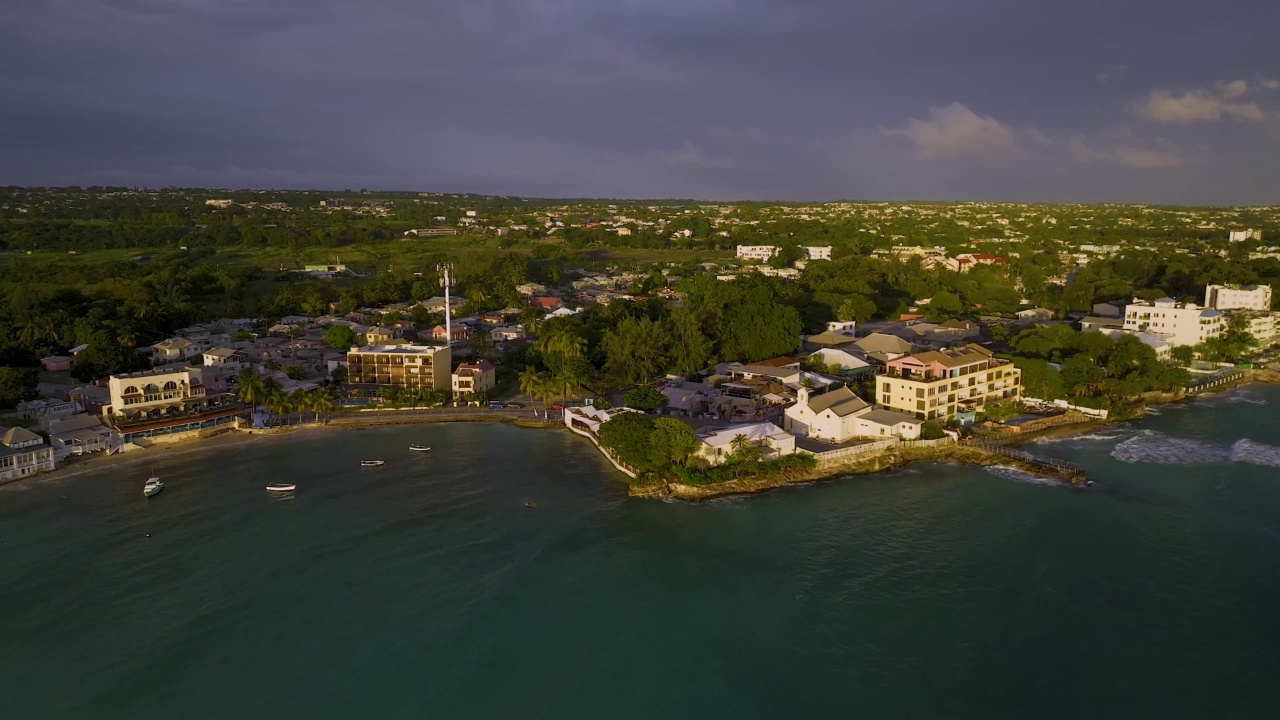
{"x":1198,"y":106}
{"x":955,"y":131}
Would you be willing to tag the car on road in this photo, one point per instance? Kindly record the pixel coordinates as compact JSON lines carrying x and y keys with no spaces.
{"x":557,"y":406}
{"x":496,"y":405}
{"x":515,"y":406}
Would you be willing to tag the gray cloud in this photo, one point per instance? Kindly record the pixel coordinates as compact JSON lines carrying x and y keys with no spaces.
{"x":658,"y":98}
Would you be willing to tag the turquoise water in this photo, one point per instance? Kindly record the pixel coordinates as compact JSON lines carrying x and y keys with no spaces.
{"x":425,"y":588}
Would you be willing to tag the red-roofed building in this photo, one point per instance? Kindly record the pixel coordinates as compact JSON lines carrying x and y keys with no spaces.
{"x":459,"y":333}
{"x":545,"y":302}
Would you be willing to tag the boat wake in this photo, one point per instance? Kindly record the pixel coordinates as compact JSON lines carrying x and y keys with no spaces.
{"x":1149,"y":446}
{"x":1016,"y":475}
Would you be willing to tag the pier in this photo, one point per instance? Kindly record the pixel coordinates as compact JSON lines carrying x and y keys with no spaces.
{"x":1070,"y":472}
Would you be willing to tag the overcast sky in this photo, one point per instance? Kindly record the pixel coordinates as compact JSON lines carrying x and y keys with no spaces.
{"x":1174,"y":101}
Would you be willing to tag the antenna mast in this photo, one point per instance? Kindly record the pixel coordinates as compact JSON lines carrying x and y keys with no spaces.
{"x":446,"y":281}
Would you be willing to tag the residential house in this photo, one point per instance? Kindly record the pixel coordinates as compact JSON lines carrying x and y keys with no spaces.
{"x":23,"y":453}
{"x":846,"y":362}
{"x":477,"y":377}
{"x":1093,"y":322}
{"x":531,"y":288}
{"x":56,"y":363}
{"x":91,"y":397}
{"x":507,"y":334}
{"x":545,"y":302}
{"x":42,"y":408}
{"x":415,"y":367}
{"x":227,"y":358}
{"x":689,"y":399}
{"x":890,"y":345}
{"x":817,"y":253}
{"x":175,"y":350}
{"x":1113,"y":309}
{"x":939,"y":384}
{"x":829,"y":339}
{"x":716,"y":445}
{"x":882,"y":423}
{"x":457,"y":333}
{"x":1035,"y":314}
{"x":379,"y":335}
{"x":80,"y":435}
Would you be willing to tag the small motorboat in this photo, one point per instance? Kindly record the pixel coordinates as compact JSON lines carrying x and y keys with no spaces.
{"x":419,"y":448}
{"x":152,"y":487}
{"x":531,"y":504}
{"x":281,"y":487}
{"x":372,"y":463}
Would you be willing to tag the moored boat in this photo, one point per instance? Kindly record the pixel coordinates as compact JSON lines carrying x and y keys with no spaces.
{"x":419,"y":448}
{"x":371,"y":463}
{"x":281,"y":487}
{"x":152,"y":487}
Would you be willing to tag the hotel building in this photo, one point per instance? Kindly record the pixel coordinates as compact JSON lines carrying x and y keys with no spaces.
{"x":413,"y":367}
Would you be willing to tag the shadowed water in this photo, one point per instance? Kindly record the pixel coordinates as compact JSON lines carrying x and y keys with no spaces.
{"x":425,"y":588}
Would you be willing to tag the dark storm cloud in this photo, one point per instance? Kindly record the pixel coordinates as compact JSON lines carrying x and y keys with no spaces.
{"x":790,"y":99}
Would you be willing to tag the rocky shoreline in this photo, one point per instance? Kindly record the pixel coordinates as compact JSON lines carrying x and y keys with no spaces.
{"x":898,"y":457}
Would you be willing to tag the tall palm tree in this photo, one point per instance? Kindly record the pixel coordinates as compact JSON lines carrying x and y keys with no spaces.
{"x":321,"y":402}
{"x":250,"y":387}
{"x":278,"y":401}
{"x":534,"y":384}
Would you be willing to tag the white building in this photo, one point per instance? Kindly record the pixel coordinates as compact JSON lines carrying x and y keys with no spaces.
{"x":757,"y":252}
{"x":1183,"y":323}
{"x":817,"y":253}
{"x":1238,"y":297}
{"x":717,"y":444}
{"x":831,"y":416}
{"x":1243,"y":235}
{"x":23,"y":453}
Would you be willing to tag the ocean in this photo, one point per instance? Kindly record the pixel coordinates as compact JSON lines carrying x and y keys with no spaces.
{"x":427,"y":589}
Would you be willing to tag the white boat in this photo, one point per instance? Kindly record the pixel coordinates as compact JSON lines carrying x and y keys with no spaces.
{"x":152,"y":487}
{"x":371,"y":463}
{"x":281,"y":487}
{"x":419,"y":448}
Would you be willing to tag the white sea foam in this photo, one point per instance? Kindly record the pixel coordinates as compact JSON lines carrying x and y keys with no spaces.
{"x":1248,"y":451}
{"x":1016,"y":475}
{"x":1150,"y":446}
{"x":1243,"y":398}
{"x":1089,"y":437}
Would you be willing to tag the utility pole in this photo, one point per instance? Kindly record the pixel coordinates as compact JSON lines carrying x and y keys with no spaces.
{"x":446,"y":281}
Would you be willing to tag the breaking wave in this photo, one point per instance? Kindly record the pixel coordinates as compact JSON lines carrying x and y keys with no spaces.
{"x":1089,"y":437}
{"x":1150,"y":446}
{"x":1016,"y":475}
{"x":1248,"y":451}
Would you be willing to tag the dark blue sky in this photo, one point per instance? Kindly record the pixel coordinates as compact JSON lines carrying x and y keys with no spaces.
{"x":1172,"y":101}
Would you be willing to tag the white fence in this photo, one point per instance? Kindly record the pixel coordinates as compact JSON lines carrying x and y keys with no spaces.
{"x":849,"y":452}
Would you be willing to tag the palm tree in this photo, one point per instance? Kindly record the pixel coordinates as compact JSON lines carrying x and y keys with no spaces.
{"x":744,"y":449}
{"x":250,"y":387}
{"x":535,"y":384}
{"x":484,"y":345}
{"x":321,"y":402}
{"x":278,"y":401}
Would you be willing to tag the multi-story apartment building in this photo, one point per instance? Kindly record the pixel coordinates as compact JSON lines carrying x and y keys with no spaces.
{"x":757,"y":252}
{"x":1243,"y":235}
{"x":1184,"y":323}
{"x":939,"y":384}
{"x":817,"y":252}
{"x":165,"y":401}
{"x":476,"y":377}
{"x":1238,"y":297}
{"x":23,"y":453}
{"x":413,"y":367}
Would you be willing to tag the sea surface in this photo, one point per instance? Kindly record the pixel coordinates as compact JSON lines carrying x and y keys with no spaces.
{"x":426,"y":589}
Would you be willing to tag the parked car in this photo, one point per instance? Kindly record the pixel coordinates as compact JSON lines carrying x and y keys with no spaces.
{"x":557,"y":406}
{"x":514,"y":405}
{"x":495,"y":405}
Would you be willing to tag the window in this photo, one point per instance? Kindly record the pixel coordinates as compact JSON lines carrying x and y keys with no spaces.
{"x":131,"y":390}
